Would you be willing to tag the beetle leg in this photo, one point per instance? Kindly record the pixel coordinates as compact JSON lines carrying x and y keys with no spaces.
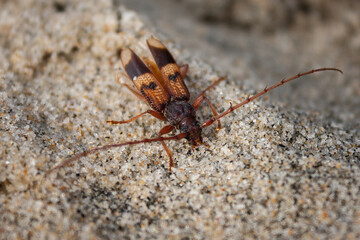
{"x":163,"y":131}
{"x":183,"y":70}
{"x":211,"y":86}
{"x":199,"y":100}
{"x":136,"y":93}
{"x":152,"y":112}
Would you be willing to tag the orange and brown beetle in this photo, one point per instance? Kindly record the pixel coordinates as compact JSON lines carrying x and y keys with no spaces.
{"x":161,"y":85}
{"x":163,"y":88}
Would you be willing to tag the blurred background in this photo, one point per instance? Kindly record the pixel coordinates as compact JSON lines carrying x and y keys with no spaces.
{"x":272,"y":39}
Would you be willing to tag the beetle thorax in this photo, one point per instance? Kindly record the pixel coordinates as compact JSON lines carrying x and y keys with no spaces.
{"x":183,"y":116}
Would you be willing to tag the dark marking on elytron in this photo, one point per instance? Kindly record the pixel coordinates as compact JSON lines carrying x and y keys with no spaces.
{"x":163,"y":105}
{"x":151,"y":86}
{"x":135,"y":67}
{"x":161,"y":56}
{"x":174,"y":76}
{"x":182,"y":97}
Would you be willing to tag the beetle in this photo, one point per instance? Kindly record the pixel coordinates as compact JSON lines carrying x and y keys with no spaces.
{"x":161,"y":85}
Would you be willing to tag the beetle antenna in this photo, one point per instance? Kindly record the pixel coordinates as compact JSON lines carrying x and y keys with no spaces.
{"x":91,"y":151}
{"x":266,"y":89}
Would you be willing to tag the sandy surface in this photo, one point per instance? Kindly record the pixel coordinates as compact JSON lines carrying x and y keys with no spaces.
{"x":272,"y":39}
{"x":270,"y":172}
